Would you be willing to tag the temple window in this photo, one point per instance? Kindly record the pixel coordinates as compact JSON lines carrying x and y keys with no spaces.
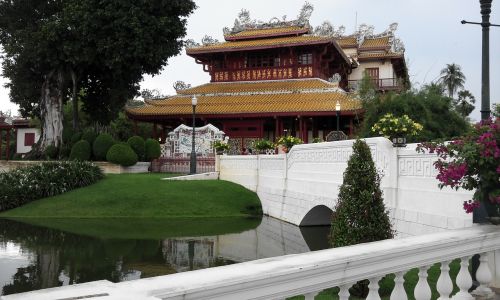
{"x":256,"y":61}
{"x":305,"y":59}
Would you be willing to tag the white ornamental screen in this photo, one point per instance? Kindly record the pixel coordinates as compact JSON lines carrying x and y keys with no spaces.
{"x":180,"y":139}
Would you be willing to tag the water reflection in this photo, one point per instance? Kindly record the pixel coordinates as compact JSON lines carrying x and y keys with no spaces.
{"x":74,"y":251}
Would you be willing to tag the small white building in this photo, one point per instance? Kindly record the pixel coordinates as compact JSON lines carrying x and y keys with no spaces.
{"x":26,"y":135}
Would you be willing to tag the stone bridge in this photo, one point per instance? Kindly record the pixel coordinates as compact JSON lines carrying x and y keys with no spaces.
{"x":301,"y":187}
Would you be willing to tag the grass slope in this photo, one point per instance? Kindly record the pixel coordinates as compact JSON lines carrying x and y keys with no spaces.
{"x":145,"y":196}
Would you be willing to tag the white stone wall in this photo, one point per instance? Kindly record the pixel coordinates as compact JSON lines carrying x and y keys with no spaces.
{"x":385,"y":70}
{"x":20,"y":148}
{"x":308,"y":177}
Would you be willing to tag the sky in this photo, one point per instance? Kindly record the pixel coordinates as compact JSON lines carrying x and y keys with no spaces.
{"x":430,"y":29}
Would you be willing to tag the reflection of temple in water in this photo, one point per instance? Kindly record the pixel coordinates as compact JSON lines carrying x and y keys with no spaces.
{"x":189,"y":254}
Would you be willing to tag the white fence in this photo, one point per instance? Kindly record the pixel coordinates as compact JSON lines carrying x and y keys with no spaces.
{"x":302,"y":186}
{"x":309,"y":273}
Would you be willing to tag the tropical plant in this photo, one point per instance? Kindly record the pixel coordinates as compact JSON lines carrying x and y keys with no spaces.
{"x":317,"y":140}
{"x":452,"y":78}
{"x":471,"y":163}
{"x":496,"y":110}
{"x":121,"y":154}
{"x":24,"y":185}
{"x":391,"y":126}
{"x":221,"y":146}
{"x":80,"y":151}
{"x":288,"y":142}
{"x":153,"y":149}
{"x":465,"y":103}
{"x":360,"y":215}
{"x":263,"y":145}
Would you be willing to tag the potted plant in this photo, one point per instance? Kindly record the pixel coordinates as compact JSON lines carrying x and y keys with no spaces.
{"x":264,"y":146}
{"x":221,"y":147}
{"x":472,"y":163}
{"x":317,"y":140}
{"x":396,"y":128}
{"x":287,"y":142}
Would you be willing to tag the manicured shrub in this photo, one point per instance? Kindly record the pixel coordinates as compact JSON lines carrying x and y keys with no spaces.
{"x":137,"y":144}
{"x":76,"y":137}
{"x":89,"y":136}
{"x":24,"y":185}
{"x":360,"y":215}
{"x":51,"y":152}
{"x":101,"y":146}
{"x":121,"y":154}
{"x":153,"y":149}
{"x":67,"y":134}
{"x":80,"y":151}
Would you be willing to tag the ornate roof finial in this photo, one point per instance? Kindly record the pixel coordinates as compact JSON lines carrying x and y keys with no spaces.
{"x":305,"y":14}
{"x":181,"y":85}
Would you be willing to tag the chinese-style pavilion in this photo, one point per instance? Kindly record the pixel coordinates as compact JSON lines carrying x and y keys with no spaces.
{"x":277,"y":78}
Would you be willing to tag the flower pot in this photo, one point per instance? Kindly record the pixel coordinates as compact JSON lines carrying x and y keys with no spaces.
{"x":398,"y":141}
{"x":219,"y":152}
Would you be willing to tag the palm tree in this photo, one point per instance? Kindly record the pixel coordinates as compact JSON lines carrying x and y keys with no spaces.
{"x":452,"y":78}
{"x":465,"y":103}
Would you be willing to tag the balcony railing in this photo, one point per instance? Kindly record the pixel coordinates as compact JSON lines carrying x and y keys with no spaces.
{"x":383,"y":84}
{"x":310,"y":273}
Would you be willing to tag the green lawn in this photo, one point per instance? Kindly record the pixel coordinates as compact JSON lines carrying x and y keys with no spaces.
{"x":145,"y":196}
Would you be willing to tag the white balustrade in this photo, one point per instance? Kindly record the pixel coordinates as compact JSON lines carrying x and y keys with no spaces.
{"x":484,"y":277}
{"x":310,"y":273}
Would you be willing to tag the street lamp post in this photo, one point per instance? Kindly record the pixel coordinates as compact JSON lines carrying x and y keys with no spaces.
{"x":337,"y":110}
{"x":485,"y":74}
{"x":192,"y":165}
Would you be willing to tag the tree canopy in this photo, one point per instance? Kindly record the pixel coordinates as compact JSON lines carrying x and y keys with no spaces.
{"x":103,"y":46}
{"x":452,"y":78}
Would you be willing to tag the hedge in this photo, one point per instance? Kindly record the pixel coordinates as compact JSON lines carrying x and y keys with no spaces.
{"x":153,"y":149}
{"x":80,"y":151}
{"x":137,"y":144}
{"x":101,"y":146}
{"x":121,"y":154}
{"x":24,"y":185}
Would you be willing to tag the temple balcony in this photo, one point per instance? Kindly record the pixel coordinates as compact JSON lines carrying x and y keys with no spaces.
{"x":382,"y":84}
{"x":310,"y":273}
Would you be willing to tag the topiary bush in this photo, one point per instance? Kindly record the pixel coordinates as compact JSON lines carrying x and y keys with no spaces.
{"x":121,"y":154}
{"x":101,"y":146}
{"x":360,"y":215}
{"x":138,"y":145}
{"x":23,"y":185}
{"x":89,"y":136}
{"x":80,"y":151}
{"x":153,"y":149}
{"x":76,"y":137}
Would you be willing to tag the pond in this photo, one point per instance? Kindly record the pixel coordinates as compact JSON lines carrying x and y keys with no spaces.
{"x":43,"y":253}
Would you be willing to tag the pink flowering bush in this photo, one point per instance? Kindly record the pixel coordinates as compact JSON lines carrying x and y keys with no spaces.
{"x":471,"y":163}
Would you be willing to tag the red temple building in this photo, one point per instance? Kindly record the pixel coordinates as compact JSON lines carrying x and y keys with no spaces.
{"x":281,"y":77}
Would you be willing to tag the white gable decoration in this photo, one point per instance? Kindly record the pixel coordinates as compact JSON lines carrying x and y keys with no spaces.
{"x":180,"y":139}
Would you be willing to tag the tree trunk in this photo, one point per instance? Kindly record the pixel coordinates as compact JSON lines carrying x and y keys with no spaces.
{"x":51,"y":111}
{"x":76,"y":118}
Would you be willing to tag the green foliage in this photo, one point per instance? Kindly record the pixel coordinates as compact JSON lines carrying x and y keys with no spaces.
{"x":288,"y":142}
{"x":122,"y":128}
{"x":366,"y":89}
{"x":452,"y":78}
{"x":76,"y":137}
{"x":496,"y":110}
{"x":121,"y":154}
{"x":24,"y":185}
{"x":153,"y":149}
{"x":263,"y":144}
{"x":51,"y":152}
{"x":221,"y":146}
{"x":89,"y":136}
{"x":80,"y":151}
{"x":465,"y":103}
{"x":138,"y":145}
{"x":428,"y":106}
{"x":360,"y":215}
{"x":101,"y":145}
{"x":391,"y":126}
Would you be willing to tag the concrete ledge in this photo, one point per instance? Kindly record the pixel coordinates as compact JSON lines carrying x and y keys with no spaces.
{"x":202,"y":176}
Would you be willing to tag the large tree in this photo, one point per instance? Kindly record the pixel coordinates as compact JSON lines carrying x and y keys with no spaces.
{"x":452,"y":78}
{"x":465,"y":103}
{"x":104,"y":46}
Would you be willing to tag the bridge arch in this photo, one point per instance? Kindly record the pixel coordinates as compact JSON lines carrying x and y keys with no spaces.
{"x":318,"y":215}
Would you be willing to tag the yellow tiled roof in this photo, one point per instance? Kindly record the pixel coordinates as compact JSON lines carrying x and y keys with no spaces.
{"x":379,"y":55}
{"x":347,"y":42}
{"x":246,"y":104}
{"x":258,"y":86}
{"x":302,"y":39}
{"x":266,"y":31}
{"x":375,"y":43}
